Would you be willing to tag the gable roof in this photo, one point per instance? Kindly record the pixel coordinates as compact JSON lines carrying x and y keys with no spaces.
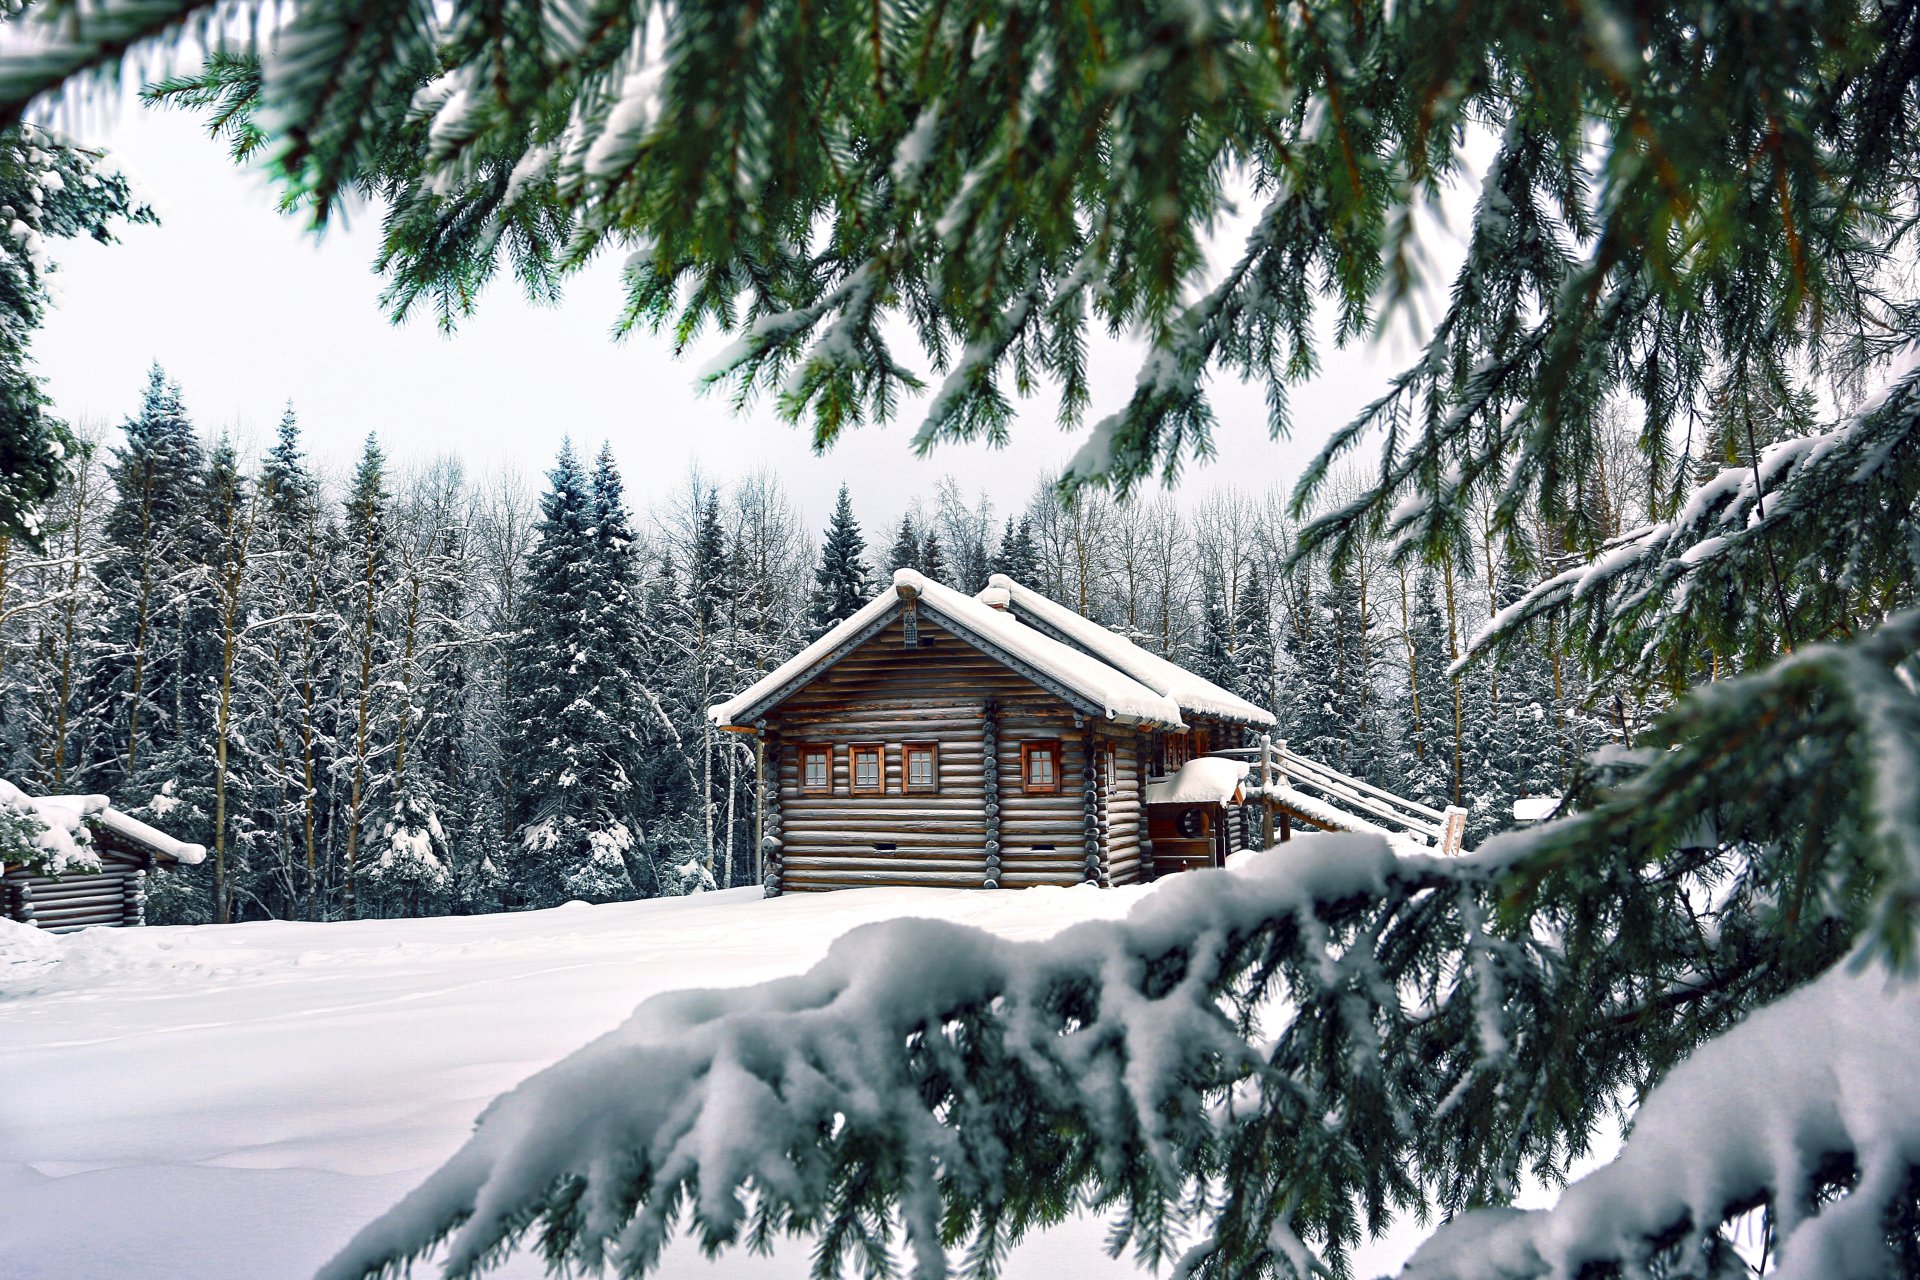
{"x":1083,"y":679}
{"x":1187,"y":690}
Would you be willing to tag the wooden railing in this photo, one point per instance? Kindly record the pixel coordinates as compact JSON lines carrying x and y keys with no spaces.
{"x":1325,"y":797}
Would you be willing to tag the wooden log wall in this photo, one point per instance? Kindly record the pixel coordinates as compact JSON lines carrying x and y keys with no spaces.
{"x":771,"y":845}
{"x":16,"y":896}
{"x":1095,"y":871}
{"x":891,"y":693}
{"x":990,"y":788}
{"x":1042,"y":837}
{"x":1126,"y":814}
{"x":981,"y":828}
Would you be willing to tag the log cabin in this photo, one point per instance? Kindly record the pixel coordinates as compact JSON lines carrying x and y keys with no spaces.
{"x":82,"y":831}
{"x":999,"y":741}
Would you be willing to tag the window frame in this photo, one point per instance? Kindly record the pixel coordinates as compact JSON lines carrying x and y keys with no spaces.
{"x":1049,"y":747}
{"x":907,"y":785}
{"x":1179,"y":750}
{"x":854,"y":750}
{"x":803,"y":752}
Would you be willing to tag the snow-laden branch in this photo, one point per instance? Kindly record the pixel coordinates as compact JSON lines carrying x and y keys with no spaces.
{"x":1821,"y":1081}
{"x":1822,"y":504}
{"x":922,"y":1067}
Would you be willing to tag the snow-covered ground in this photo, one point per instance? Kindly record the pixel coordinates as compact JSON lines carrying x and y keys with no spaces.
{"x":234,"y":1101}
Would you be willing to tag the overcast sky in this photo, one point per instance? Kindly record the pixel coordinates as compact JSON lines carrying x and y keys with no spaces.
{"x":246,"y":310}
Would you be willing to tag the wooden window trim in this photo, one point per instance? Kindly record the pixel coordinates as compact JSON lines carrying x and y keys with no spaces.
{"x":879,"y":750}
{"x":1179,"y":750}
{"x":1048,"y":746}
{"x":907,"y":784}
{"x":813,"y":749}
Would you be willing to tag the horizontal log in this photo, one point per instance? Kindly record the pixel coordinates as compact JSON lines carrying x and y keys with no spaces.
{"x":71,"y":883}
{"x":816,"y":882}
{"x":855,"y":809}
{"x":91,"y":884}
{"x":1075,"y":863}
{"x":798,"y":844}
{"x":77,"y":903}
{"x":903,"y":866}
{"x":1021,"y":879}
{"x":50,"y":919}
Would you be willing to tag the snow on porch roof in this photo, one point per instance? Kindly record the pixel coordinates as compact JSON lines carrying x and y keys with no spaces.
{"x":1205,"y":780}
{"x":1189,"y":691}
{"x":1112,"y":692}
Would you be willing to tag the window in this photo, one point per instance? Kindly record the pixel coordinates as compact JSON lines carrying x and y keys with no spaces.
{"x":1040,"y":767}
{"x":816,"y":770}
{"x":868,"y":773}
{"x":921,"y":761}
{"x":1178,"y":745}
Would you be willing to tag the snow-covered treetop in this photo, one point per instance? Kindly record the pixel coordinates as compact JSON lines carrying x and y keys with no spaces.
{"x":1189,"y":691}
{"x":1105,"y":689}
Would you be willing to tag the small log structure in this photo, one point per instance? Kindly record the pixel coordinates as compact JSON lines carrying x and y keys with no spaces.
{"x":127,"y":850}
{"x":1000,"y":741}
{"x":940,"y":739}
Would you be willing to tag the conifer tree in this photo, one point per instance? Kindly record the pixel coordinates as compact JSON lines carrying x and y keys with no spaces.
{"x":1211,"y":654}
{"x":50,"y":190}
{"x":155,"y":476}
{"x":1254,"y":659}
{"x":841,"y":583}
{"x":369,"y":564}
{"x":294,"y":544}
{"x":905,"y":552}
{"x":569,"y":772}
{"x":933,"y":561}
{"x":232,"y":517}
{"x":1423,"y":759}
{"x":1018,"y":556}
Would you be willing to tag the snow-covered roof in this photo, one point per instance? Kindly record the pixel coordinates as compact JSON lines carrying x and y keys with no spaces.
{"x":62,"y":843}
{"x":1113,"y":692}
{"x":1205,"y":780}
{"x":162,"y":844}
{"x":64,"y":817}
{"x":1535,"y":808}
{"x":1189,"y":691}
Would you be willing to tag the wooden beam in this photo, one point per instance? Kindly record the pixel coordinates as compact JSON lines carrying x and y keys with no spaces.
{"x":802,"y":679}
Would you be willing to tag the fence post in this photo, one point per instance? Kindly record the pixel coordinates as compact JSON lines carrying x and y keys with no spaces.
{"x":1266,"y":794}
{"x":1454,"y":832}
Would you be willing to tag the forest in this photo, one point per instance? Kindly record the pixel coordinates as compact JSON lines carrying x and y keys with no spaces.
{"x":406,"y":690}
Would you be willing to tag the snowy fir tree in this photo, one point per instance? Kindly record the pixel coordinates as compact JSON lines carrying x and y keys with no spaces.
{"x":573,"y":793}
{"x":841,"y":582}
{"x":367,"y":582}
{"x":1017,"y":556}
{"x":1255,"y":662}
{"x":905,"y":552}
{"x":1211,"y":654}
{"x":50,"y":190}
{"x":933,"y":560}
{"x":1424,"y":760}
{"x":155,"y":476}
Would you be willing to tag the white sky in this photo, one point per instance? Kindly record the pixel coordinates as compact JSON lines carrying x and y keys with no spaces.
{"x":246,"y":309}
